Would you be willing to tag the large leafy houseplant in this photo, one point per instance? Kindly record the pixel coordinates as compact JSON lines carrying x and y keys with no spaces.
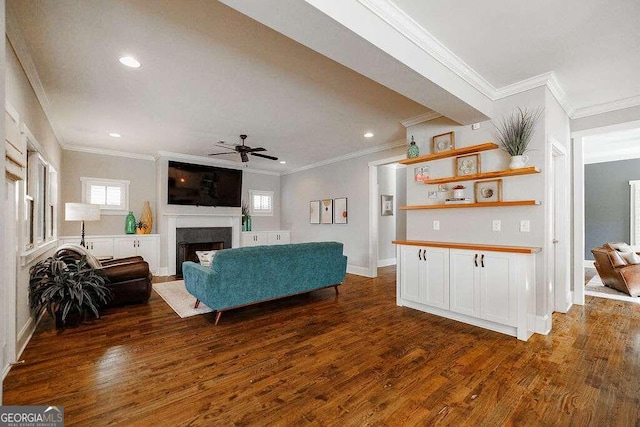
{"x":63,"y":285}
{"x":514,"y":132}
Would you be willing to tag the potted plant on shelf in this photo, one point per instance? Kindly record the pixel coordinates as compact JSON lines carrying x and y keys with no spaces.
{"x":141,"y":228}
{"x":246,"y":218}
{"x":514,"y":135}
{"x":67,"y":289}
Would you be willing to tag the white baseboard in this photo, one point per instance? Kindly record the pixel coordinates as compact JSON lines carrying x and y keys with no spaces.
{"x":164,"y":271}
{"x":360,"y":271}
{"x":386,"y":262}
{"x":588,"y":263}
{"x":543,"y":324}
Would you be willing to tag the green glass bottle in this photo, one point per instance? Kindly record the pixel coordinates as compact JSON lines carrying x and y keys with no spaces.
{"x":130,"y":224}
{"x":413,"y":150}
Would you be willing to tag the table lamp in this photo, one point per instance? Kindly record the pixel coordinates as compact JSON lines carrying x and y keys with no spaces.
{"x":81,"y":212}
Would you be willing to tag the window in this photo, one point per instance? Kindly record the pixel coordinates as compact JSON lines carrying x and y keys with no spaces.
{"x":111,"y":194}
{"x":261,"y":203}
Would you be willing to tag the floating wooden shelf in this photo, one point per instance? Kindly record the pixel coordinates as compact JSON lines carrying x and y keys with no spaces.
{"x":473,"y":205}
{"x":470,"y":246}
{"x":484,"y":175}
{"x":450,"y":153}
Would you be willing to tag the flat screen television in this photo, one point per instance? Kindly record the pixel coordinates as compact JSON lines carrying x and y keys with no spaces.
{"x":201,"y":185}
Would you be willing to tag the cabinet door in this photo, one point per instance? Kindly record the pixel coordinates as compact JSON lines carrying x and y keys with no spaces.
{"x":255,"y":238}
{"x":247,"y":239}
{"x":148,"y":248}
{"x":125,"y":247}
{"x":463,"y":287}
{"x":278,"y":237}
{"x":435,"y":277}
{"x":497,"y":291}
{"x":410,"y":276}
{"x":100,"y":247}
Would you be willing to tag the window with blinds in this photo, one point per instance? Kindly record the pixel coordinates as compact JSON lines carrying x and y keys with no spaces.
{"x":261,"y":203}
{"x":635,"y":212}
{"x":112,"y":195}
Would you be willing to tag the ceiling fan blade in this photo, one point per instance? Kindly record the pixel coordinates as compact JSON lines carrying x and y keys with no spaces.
{"x":264,"y":156}
{"x":244,"y":157}
{"x":253,"y":150}
{"x":218,"y":154}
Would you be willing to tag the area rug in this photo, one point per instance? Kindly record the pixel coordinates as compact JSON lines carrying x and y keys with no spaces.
{"x":181,"y":301}
{"x":596,"y":288}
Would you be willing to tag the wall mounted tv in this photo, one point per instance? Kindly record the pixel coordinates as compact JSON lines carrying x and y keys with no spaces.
{"x":201,"y":185}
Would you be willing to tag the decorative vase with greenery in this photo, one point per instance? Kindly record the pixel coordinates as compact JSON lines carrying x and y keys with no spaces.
{"x":67,"y":289}
{"x":141,"y":228}
{"x":246,"y":218}
{"x":514,"y":135}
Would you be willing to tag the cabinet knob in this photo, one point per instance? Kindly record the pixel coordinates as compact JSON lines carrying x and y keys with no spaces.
{"x":475,"y":260}
{"x":482,"y":260}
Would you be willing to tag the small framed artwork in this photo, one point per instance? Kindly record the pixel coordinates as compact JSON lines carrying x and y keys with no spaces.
{"x":420,"y":173}
{"x":433,"y":194}
{"x":443,"y":188}
{"x":340,"y":211}
{"x":488,"y":191}
{"x":443,"y":142}
{"x":326,"y":214}
{"x":314,"y":212}
{"x":468,"y":165}
{"x":386,"y":205}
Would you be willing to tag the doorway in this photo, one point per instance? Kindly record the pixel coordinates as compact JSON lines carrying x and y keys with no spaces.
{"x":8,"y":336}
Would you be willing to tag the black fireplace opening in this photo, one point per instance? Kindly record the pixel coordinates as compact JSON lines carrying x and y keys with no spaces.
{"x":190,"y":240}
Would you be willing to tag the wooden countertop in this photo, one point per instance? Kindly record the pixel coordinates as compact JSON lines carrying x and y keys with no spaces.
{"x":470,"y":246}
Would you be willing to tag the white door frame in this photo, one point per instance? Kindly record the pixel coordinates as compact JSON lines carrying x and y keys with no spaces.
{"x":9,"y":270}
{"x":373,"y":210}
{"x":558,"y":214}
{"x":578,"y":202}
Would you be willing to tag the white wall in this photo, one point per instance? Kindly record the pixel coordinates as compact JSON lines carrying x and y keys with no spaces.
{"x":401,"y":200}
{"x":387,"y":224}
{"x":348,"y":178}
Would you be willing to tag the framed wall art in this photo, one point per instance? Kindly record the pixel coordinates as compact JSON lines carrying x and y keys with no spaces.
{"x":386,"y":205}
{"x":314,"y":212}
{"x":488,"y":191}
{"x":443,"y":142}
{"x":420,"y":173}
{"x":326,"y":211}
{"x":340,"y":211}
{"x":468,"y":165}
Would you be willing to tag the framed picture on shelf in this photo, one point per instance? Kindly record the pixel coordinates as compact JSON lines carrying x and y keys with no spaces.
{"x":420,"y":173}
{"x":314,"y":212}
{"x":443,"y":142}
{"x":488,"y":191}
{"x":468,"y":165}
{"x":386,"y":205}
{"x":326,"y":214}
{"x":340,"y":211}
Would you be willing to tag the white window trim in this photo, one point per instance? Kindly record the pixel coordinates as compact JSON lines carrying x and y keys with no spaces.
{"x":634,"y":199}
{"x":107,"y":210}
{"x":263,"y":212}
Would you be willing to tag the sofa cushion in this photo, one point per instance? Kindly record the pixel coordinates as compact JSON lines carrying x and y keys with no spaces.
{"x":631,"y":258}
{"x":620,"y":247}
{"x":206,"y":257}
{"x":616,"y":259}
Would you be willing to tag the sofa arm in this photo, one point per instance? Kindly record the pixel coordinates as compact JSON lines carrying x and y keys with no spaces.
{"x":124,"y":272}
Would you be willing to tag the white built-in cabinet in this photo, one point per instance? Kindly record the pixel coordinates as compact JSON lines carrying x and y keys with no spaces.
{"x":258,"y":238}
{"x":490,"y":289}
{"x":145,"y":245}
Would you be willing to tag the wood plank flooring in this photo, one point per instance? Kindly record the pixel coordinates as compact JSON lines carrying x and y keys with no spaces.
{"x":355,"y":359}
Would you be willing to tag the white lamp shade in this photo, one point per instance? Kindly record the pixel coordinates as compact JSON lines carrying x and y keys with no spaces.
{"x":81,"y":212}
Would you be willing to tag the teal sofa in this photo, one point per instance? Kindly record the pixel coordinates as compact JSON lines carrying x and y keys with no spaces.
{"x":249,"y":275}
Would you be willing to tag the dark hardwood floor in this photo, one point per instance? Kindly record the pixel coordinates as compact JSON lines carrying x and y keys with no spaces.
{"x":355,"y":359}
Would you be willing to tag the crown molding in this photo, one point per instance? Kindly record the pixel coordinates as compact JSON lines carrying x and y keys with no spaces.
{"x":412,"y":121}
{"x":207,"y":160}
{"x":376,"y":149}
{"x":106,"y":152}
{"x":620,"y":104}
{"x":14,"y":35}
{"x":548,"y":80}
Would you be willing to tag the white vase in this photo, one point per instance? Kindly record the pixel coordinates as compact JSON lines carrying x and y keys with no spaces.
{"x":518,"y":162}
{"x":458,"y":194}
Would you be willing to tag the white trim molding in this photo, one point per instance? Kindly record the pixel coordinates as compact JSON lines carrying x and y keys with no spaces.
{"x":606,"y":107}
{"x":208,"y":161}
{"x":411,"y":121}
{"x":358,"y":271}
{"x":386,"y":262}
{"x":106,"y":152}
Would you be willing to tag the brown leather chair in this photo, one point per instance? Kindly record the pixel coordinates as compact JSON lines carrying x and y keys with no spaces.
{"x":615,"y":272}
{"x":128,"y":278}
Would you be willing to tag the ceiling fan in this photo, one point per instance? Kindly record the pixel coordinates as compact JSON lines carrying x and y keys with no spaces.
{"x":243,"y":150}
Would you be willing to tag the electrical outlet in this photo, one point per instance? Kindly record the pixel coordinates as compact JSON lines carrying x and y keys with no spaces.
{"x":525,"y":226}
{"x":475,"y":126}
{"x":497,"y":225}
{"x":436,"y":225}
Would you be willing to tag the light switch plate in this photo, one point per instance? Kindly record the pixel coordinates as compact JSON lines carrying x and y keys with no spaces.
{"x":436,"y":225}
{"x":525,"y":226}
{"x":497,"y":225}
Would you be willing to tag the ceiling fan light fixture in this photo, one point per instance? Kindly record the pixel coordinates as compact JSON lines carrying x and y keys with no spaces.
{"x":115,"y":135}
{"x":282,"y":162}
{"x":129,"y":61}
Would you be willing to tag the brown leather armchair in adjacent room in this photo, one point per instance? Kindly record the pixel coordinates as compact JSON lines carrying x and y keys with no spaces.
{"x":129,"y":278}
{"x":615,"y":272}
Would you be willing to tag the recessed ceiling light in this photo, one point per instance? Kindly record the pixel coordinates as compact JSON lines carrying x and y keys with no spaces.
{"x":368,"y":135}
{"x":129,"y":61}
{"x":115,"y":135}
{"x":282,"y":162}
